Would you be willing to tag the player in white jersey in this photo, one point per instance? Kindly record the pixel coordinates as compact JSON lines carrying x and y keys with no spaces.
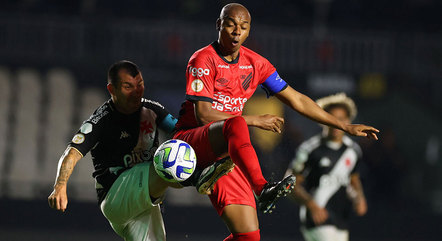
{"x":326,"y":168}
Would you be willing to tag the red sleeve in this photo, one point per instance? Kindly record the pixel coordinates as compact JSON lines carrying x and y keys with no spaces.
{"x":200,"y":76}
{"x":266,"y":69}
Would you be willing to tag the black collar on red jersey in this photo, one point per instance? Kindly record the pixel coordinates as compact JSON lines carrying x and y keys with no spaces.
{"x":215,"y":46}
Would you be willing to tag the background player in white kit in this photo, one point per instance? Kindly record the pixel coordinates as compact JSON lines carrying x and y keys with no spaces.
{"x":326,"y":169}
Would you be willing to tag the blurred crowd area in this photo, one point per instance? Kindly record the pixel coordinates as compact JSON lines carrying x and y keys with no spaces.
{"x":404,"y":15}
{"x":386,"y":55}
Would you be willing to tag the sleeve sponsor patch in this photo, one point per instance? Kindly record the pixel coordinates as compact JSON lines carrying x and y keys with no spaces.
{"x":197,"y":85}
{"x":86,"y":128}
{"x":198,"y":71}
{"x":152,"y":102}
{"x":78,"y":139}
{"x":98,"y":117}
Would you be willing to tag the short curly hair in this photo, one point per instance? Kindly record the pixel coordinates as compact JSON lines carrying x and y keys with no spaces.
{"x":338,"y":100}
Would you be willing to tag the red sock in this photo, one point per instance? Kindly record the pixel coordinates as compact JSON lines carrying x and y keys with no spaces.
{"x":241,"y":151}
{"x":250,"y":236}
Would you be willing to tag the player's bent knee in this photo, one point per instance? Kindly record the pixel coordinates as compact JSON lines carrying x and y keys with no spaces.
{"x":249,"y":236}
{"x":234,"y":125}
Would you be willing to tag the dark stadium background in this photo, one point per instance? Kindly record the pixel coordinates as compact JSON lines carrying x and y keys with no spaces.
{"x":387,"y":55}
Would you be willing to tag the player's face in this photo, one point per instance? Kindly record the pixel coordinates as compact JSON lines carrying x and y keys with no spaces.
{"x":234,"y":29}
{"x":342,"y":115}
{"x":127,"y":95}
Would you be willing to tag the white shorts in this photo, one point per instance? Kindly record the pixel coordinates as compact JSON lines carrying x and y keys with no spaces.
{"x":324,"y":233}
{"x":129,"y":209}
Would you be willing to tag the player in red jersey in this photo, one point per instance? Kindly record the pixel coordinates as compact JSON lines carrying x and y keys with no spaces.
{"x":221,"y":77}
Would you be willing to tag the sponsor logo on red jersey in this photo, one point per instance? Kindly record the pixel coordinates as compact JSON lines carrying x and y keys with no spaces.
{"x":246,"y":67}
{"x":222,"y":82}
{"x":198,"y":71}
{"x":228,"y":103}
{"x":222,"y":66}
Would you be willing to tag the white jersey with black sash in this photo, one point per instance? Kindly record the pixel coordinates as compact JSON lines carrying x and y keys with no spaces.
{"x":327,"y":167}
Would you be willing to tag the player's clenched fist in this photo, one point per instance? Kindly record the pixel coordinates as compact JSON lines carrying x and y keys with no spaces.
{"x":58,"y":199}
{"x":318,"y":214}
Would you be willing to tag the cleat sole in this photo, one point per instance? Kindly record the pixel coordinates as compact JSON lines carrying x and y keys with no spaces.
{"x":286,"y":188}
{"x":225,"y":168}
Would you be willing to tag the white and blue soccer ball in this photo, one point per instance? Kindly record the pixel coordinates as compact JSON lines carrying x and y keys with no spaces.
{"x":174,"y":160}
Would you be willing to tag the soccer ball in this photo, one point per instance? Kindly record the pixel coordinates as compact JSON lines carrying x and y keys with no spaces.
{"x":174,"y":160}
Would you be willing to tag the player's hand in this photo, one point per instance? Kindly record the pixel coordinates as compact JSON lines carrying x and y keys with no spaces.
{"x":269,"y":123}
{"x":319,"y":214}
{"x":360,"y":206}
{"x":362,"y":130}
{"x":58,"y":199}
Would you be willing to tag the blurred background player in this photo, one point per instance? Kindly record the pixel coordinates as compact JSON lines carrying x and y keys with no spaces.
{"x":122,"y":136}
{"x":327,"y":170}
{"x":221,"y":77}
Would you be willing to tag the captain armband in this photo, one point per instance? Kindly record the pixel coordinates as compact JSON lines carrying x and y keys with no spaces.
{"x":273,"y":84}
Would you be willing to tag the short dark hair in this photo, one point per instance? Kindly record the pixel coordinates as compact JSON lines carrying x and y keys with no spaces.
{"x":112,"y":75}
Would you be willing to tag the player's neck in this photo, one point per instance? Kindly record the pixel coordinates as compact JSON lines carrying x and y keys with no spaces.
{"x":232,"y":56}
{"x":228,"y":54}
{"x":120,"y":108}
{"x":335,"y":139}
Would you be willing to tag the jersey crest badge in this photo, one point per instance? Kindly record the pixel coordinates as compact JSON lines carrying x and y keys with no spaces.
{"x":78,"y":139}
{"x":246,"y":83}
{"x":146,"y":127}
{"x":197,"y":85}
{"x":324,"y":162}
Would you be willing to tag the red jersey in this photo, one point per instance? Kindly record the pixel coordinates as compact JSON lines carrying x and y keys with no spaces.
{"x":227,"y":85}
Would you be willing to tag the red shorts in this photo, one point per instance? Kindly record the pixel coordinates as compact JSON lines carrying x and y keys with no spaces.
{"x":232,"y":188}
{"x":229,"y":189}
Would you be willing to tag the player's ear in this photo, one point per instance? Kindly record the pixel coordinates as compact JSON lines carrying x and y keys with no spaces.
{"x":218,"y":24}
{"x":110,"y":88}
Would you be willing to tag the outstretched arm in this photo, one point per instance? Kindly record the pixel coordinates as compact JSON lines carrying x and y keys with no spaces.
{"x":58,"y":199}
{"x":307,"y":107}
{"x":205,"y":114}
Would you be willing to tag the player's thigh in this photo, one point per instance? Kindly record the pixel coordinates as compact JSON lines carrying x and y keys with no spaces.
{"x":207,"y":141}
{"x":342,"y":235}
{"x":128,"y":196}
{"x":321,"y":233}
{"x":234,"y":201}
{"x":240,"y":218}
{"x":146,"y":226}
{"x":217,"y":140}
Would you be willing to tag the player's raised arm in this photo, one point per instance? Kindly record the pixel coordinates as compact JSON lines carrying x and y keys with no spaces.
{"x":206,"y":114}
{"x":307,"y":107}
{"x":58,"y":199}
